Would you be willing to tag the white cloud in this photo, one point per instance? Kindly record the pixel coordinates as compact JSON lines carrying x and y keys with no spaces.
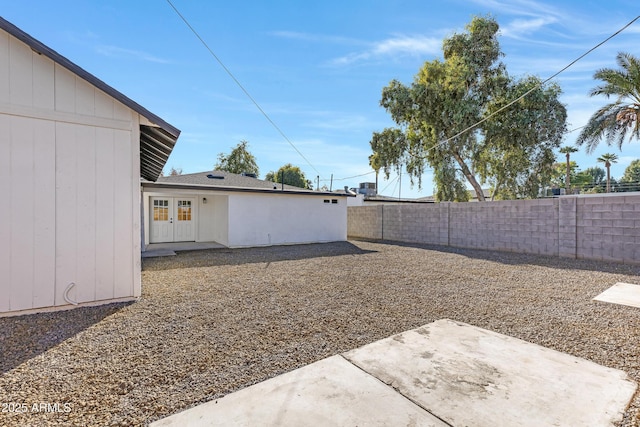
{"x":341,"y":122}
{"x":393,"y":47}
{"x":520,"y":7}
{"x":118,"y":52}
{"x":320,"y":38}
{"x":521,"y":27}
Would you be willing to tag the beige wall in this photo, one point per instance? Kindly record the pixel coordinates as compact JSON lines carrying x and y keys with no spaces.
{"x":214,"y":226}
{"x":603,"y":227}
{"x":245,"y":219}
{"x":276,"y":219}
{"x":69,"y":169}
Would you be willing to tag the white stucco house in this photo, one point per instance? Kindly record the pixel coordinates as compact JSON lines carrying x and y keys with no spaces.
{"x":72,"y":153}
{"x":239,"y":211}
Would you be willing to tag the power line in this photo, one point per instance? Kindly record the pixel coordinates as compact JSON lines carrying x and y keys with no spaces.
{"x":350,"y":177}
{"x":575,"y":129}
{"x":390,"y":182}
{"x":240,"y":85}
{"x":535,"y":87}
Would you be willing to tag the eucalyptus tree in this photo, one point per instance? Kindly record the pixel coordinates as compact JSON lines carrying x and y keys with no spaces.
{"x":608,"y":159}
{"x":619,"y":119}
{"x":447,"y":121}
{"x":240,"y":160}
{"x":597,"y":182}
{"x":631,"y":178}
{"x":290,"y":175}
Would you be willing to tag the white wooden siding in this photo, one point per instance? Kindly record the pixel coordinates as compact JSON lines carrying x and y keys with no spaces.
{"x":69,"y":167}
{"x":44,"y":196}
{"x":4,"y":66}
{"x":5,"y":214}
{"x":105,"y":208}
{"x":21,"y":206}
{"x":43,"y":82}
{"x":123,"y":219}
{"x":66,"y":212}
{"x":20,"y":73}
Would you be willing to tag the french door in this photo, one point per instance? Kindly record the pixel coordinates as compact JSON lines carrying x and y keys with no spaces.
{"x":171,"y":220}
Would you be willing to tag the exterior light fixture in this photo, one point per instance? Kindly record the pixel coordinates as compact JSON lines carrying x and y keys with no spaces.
{"x":204,"y":200}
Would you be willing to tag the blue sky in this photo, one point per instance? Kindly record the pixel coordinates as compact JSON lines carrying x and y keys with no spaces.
{"x":317,"y":68}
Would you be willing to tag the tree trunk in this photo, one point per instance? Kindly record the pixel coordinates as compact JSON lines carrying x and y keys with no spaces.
{"x":608,"y":166}
{"x":568,"y":179}
{"x":495,"y":190}
{"x":470,"y":177}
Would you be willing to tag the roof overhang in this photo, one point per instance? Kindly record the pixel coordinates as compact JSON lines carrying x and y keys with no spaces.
{"x":156,"y":145}
{"x":156,"y":141}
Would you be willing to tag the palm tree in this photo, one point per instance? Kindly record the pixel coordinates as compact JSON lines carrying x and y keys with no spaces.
{"x":619,"y":119}
{"x":568,"y":150}
{"x":608,"y":159}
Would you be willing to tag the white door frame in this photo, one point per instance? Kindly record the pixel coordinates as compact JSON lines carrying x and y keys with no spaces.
{"x":171,"y":219}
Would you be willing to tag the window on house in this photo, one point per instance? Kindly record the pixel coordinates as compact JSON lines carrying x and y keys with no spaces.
{"x":184,"y":210}
{"x":161,"y":210}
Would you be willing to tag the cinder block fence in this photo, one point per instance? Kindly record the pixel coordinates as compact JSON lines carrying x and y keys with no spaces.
{"x":602,"y":227}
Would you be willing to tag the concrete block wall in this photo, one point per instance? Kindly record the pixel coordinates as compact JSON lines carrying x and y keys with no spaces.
{"x":365,"y":222}
{"x":608,"y":228}
{"x":421,"y":223}
{"x":525,"y":226}
{"x":602,"y":227}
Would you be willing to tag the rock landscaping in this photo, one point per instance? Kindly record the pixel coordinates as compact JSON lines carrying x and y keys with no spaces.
{"x":214,"y":321}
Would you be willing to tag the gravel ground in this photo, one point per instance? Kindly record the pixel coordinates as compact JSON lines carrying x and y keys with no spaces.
{"x":215,"y":321}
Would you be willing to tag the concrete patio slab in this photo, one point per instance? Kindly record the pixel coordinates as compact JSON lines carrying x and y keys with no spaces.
{"x":471,"y":376}
{"x":157,"y":253}
{"x":443,"y":374}
{"x":169,"y":249}
{"x":621,"y":293}
{"x":329,"y":392}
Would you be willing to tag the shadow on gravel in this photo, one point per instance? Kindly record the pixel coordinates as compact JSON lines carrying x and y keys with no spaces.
{"x":226,"y":256}
{"x":515,"y":259}
{"x":25,"y":337}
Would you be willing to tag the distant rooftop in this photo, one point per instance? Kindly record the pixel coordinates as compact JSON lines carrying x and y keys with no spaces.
{"x":225,"y":179}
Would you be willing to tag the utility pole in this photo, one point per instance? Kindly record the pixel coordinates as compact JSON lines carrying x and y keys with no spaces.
{"x":400,"y":181}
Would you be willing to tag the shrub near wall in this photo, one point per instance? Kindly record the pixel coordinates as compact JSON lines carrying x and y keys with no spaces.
{"x":604,"y":227}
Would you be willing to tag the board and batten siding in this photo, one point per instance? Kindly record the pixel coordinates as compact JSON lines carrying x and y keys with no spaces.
{"x":69,"y":169}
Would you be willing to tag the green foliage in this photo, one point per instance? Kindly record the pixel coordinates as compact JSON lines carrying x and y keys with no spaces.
{"x":597,"y":175}
{"x":388,"y":148}
{"x":590,"y":180}
{"x":597,"y":182}
{"x":517,"y":153}
{"x":567,"y":150}
{"x":558,"y":176}
{"x":290,"y":175}
{"x":630,"y":180}
{"x":608,"y":159}
{"x":175,"y":172}
{"x":617,"y":120}
{"x":511,"y":151}
{"x":238,"y":161}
